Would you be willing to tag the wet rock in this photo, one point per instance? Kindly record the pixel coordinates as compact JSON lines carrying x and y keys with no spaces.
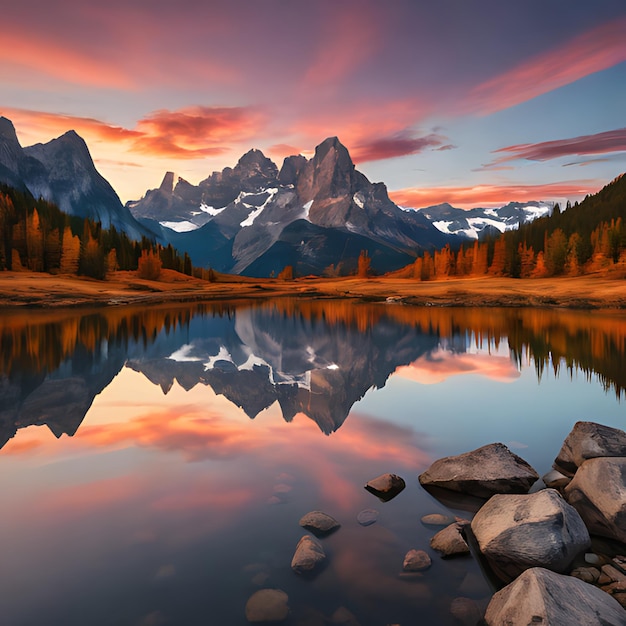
{"x":367,"y":517}
{"x":598,"y":492}
{"x":386,"y":486}
{"x":482,"y":472}
{"x":450,"y":542}
{"x":319,"y":523}
{"x":517,"y":532}
{"x":437,"y":519}
{"x":588,"y":440}
{"x":416,"y":561}
{"x":613,"y":574}
{"x":309,"y":555}
{"x":267,"y":605}
{"x":587,"y":574}
{"x":540,"y":596}
{"x":466,"y":611}
{"x":593,"y":559}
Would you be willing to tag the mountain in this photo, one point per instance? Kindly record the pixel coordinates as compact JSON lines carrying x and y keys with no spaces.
{"x":62,"y":171}
{"x":478,"y":222}
{"x":254,"y":219}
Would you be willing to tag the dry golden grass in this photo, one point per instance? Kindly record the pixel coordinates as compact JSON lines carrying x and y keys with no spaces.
{"x":44,"y":290}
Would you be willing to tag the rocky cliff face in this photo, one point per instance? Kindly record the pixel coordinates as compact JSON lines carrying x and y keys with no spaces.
{"x":62,"y":171}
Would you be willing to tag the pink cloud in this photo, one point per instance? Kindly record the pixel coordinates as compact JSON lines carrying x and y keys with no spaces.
{"x":593,"y":51}
{"x":492,"y":195}
{"x":440,"y":366}
{"x":600,"y":143}
{"x":400,"y":144}
{"x":348,"y":38}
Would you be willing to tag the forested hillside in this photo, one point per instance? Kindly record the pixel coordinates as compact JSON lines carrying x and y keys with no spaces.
{"x":36,"y":235}
{"x":584,"y":238}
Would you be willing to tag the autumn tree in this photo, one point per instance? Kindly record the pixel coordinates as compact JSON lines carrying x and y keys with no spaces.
{"x":364,"y":264}
{"x":70,"y":252}
{"x":286,"y":273}
{"x":149,"y":265}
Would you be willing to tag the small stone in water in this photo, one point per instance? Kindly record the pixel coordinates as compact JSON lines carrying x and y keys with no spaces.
{"x":416,"y":560}
{"x":319,"y":523}
{"x":592,"y":559}
{"x":437,"y":519}
{"x":367,"y":517}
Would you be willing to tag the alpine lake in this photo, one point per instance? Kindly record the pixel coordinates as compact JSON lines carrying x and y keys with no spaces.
{"x":156,"y":462}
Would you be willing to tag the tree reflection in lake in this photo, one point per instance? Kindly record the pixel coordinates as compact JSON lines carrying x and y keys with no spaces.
{"x":168,"y":504}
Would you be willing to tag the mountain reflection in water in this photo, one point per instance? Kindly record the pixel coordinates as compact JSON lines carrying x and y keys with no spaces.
{"x":197,"y":443}
{"x":315,"y":358}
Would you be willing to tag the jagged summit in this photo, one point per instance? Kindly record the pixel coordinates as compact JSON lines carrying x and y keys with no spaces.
{"x":7,"y":130}
{"x":168,"y":182}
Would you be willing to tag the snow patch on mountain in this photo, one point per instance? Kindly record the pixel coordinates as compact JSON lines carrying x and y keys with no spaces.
{"x":180,"y":227}
{"x":205,"y":208}
{"x":272,"y":191}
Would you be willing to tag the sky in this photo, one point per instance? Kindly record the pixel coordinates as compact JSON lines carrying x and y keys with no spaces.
{"x":472,"y":103}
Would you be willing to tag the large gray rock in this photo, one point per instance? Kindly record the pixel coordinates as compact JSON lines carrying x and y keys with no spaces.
{"x":267,"y":605}
{"x":483,"y":472}
{"x":588,"y":440}
{"x":540,"y":596}
{"x":309,"y":555}
{"x":517,"y":532}
{"x":598,"y":493}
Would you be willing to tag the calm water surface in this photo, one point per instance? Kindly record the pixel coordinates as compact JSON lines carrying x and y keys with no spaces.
{"x":155,"y":463}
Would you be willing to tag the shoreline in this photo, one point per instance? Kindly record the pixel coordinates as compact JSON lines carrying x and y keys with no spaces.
{"x":30,"y":290}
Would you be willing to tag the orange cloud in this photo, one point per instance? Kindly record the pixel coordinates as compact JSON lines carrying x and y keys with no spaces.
{"x":492,"y":195}
{"x":439,"y":366}
{"x":188,"y":133}
{"x":600,"y":143}
{"x":593,"y":51}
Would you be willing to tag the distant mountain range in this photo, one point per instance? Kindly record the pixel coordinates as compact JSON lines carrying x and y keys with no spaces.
{"x":478,"y":223}
{"x":316,"y":215}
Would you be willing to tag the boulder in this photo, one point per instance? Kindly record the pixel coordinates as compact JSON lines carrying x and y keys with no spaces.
{"x":588,"y":440}
{"x":309,"y":555}
{"x":483,"y":472}
{"x":319,"y":523}
{"x":517,"y":532}
{"x":555,"y":479}
{"x":540,"y":596}
{"x":450,"y":541}
{"x":598,"y":493}
{"x":386,"y":486}
{"x":267,"y":605}
{"x":416,"y":561}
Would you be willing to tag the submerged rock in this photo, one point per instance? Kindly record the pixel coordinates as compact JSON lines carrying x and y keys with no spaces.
{"x":466,"y":611}
{"x":309,"y":555}
{"x":437,"y":519}
{"x":540,"y":596}
{"x":450,"y":541}
{"x":598,"y":493}
{"x":482,"y":472}
{"x":367,"y":517}
{"x":319,"y":523}
{"x":386,"y":486}
{"x":267,"y":605}
{"x":517,"y":532}
{"x":588,"y":440}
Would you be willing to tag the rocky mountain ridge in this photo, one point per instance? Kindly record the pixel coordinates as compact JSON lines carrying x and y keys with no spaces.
{"x":62,"y":171}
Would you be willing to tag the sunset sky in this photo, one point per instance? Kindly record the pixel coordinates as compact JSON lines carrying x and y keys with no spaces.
{"x":475,"y":103}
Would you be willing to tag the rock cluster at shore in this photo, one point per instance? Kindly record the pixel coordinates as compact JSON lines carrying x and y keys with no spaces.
{"x":559,"y":550}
